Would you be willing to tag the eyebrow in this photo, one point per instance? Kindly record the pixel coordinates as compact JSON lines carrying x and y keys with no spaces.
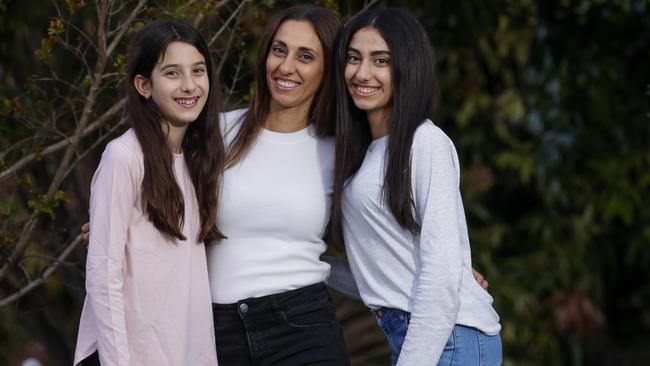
{"x":373,"y":53}
{"x":169,"y":66}
{"x":281,"y":43}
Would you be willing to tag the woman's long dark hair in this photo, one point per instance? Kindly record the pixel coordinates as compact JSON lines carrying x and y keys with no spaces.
{"x":202,"y":144}
{"x":327,"y":26}
{"x":413,"y":73}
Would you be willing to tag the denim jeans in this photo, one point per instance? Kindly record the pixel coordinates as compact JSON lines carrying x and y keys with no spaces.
{"x":466,"y":346}
{"x":292,"y":328}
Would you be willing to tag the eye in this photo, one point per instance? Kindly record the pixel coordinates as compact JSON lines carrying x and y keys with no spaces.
{"x":353,"y":59}
{"x":306,"y":58}
{"x":382,"y":61}
{"x":171,"y":73}
{"x":278,"y":50}
{"x":199,"y":70}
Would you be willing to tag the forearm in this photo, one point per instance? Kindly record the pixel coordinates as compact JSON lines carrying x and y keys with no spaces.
{"x":341,"y":279}
{"x":105,"y":295}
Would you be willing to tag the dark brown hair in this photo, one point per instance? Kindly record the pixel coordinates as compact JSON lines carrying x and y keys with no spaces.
{"x":202,"y":144}
{"x":327,"y":26}
{"x":414,"y":79}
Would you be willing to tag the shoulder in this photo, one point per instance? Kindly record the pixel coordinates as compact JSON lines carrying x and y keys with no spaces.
{"x":326,"y":150}
{"x":431,"y":142}
{"x":230,"y":122}
{"x":124,"y":150}
{"x":428,"y":134}
{"x":324,"y":144}
{"x":326,"y":141}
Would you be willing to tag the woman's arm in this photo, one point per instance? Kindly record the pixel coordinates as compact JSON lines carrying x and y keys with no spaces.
{"x":342,"y":281}
{"x":341,"y":278}
{"x":436,"y":301}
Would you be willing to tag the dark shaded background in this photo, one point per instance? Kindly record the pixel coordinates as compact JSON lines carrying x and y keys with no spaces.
{"x":546,"y":101}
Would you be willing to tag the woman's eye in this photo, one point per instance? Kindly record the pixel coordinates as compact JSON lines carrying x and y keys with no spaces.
{"x":381,"y":61}
{"x":353,"y":59}
{"x":277,"y":50}
{"x":306,"y":58}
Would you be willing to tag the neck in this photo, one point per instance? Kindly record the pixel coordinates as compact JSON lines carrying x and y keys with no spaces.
{"x":287,"y":119}
{"x":175,"y":134}
{"x":378,"y":122}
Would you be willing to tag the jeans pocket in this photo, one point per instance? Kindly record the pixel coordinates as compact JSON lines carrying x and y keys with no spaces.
{"x":448,"y":356}
{"x":393,"y":321}
{"x":310,"y":315}
{"x":451,"y":342}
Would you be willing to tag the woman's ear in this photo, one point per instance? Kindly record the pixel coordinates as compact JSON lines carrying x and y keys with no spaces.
{"x":142,"y":85}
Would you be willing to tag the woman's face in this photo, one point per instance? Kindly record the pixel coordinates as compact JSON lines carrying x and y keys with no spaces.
{"x":368,"y":72}
{"x":294,"y":65}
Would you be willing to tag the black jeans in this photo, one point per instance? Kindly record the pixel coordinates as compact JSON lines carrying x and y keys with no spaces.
{"x":293,"y":328}
{"x":92,"y":360}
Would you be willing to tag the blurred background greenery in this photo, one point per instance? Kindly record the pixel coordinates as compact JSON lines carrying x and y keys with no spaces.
{"x":546,"y":101}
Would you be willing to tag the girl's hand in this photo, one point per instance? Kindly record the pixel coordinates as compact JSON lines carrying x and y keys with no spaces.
{"x":477,"y":276}
{"x":85,"y":229}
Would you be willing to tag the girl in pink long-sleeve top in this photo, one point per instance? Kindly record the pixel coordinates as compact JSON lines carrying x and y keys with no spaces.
{"x":153,"y":204}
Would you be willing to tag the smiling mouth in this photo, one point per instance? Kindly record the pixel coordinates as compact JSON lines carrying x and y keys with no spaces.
{"x":365,"y":91}
{"x":286,"y":84}
{"x":188,"y":102}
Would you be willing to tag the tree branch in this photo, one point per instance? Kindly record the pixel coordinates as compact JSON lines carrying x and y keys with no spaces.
{"x":64,"y":142}
{"x":125,"y":27}
{"x":225,"y":25}
{"x":59,"y":175}
{"x":54,"y":264}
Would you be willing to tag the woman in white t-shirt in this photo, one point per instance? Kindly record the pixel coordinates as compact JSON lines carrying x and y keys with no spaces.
{"x":397,"y":202}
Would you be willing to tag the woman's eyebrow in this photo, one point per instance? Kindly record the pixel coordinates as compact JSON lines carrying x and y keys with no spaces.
{"x":301,"y":49}
{"x":373,"y":53}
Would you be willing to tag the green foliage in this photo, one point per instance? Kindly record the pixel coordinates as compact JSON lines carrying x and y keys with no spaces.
{"x":545,"y":104}
{"x":75,"y":5}
{"x":41,"y":205}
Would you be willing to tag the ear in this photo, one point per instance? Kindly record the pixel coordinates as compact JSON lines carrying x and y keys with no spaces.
{"x":142,"y":85}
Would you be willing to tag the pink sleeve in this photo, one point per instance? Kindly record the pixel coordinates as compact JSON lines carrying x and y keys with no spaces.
{"x":112,"y":200}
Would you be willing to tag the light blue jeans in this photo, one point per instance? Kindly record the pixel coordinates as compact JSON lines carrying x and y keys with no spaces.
{"x":466,"y":346}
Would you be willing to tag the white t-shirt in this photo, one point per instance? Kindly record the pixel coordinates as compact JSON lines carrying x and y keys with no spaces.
{"x":428,"y":274}
{"x":274,"y":207}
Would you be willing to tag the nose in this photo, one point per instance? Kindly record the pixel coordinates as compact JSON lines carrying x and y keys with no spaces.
{"x":187,"y":83}
{"x":287,"y":66}
{"x":364,"y":72}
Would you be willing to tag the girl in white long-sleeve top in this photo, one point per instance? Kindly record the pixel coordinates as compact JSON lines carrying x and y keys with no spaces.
{"x":153,"y":204}
{"x":397,"y":204}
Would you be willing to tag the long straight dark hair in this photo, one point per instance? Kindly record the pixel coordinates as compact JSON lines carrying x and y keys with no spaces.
{"x":327,"y":26}
{"x":413,"y":80}
{"x":202,"y":144}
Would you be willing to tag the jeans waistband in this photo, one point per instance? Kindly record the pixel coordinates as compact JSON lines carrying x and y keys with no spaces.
{"x":380,"y":312}
{"x":315,"y":292}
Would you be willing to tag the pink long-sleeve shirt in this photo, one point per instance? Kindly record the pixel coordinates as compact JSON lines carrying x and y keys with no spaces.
{"x":148,"y":298}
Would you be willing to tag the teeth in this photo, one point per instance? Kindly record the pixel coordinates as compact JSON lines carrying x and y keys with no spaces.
{"x":286,"y":83}
{"x":366,"y":90}
{"x":186,"y":101}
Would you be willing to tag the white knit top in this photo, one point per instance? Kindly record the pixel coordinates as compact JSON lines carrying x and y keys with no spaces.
{"x":274,"y":208}
{"x":428,"y":274}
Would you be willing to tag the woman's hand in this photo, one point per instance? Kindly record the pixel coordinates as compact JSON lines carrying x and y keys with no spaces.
{"x":85,"y":229}
{"x":477,"y":276}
